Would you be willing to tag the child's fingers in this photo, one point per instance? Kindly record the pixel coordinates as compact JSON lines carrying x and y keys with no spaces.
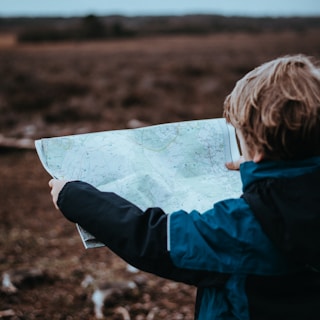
{"x":232,"y":165}
{"x":56,"y":186}
{"x":235,"y":165}
{"x":51,"y":183}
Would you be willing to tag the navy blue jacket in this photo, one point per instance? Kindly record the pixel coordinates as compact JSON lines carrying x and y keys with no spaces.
{"x":255,"y":257}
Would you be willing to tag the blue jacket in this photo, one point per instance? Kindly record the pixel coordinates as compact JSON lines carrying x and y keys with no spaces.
{"x":255,"y":257}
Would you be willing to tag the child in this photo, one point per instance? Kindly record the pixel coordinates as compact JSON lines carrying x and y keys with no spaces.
{"x":255,"y":257}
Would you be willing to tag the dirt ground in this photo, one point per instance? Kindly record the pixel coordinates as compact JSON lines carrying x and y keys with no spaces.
{"x":57,"y":89}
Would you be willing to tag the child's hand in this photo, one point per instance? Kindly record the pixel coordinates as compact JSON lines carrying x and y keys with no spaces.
{"x":236,"y":164}
{"x":56,"y":186}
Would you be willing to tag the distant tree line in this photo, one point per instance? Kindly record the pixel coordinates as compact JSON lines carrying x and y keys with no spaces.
{"x":89,"y":28}
{"x":92,"y":27}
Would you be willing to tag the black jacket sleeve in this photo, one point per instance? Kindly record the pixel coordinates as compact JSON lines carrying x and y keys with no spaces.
{"x":139,"y":237}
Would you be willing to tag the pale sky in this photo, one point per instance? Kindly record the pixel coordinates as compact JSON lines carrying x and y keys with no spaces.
{"x":164,"y":7}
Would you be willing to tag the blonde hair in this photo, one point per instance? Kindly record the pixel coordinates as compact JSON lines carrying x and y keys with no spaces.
{"x":277,"y":108}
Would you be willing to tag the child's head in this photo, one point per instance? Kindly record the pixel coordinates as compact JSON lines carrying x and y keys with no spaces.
{"x":276,"y":107}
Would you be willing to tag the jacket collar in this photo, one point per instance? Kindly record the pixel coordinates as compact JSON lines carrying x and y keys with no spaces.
{"x":251,"y":172}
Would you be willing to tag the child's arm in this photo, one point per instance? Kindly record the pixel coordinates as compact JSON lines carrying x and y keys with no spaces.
{"x":139,"y":237}
{"x":198,"y":249}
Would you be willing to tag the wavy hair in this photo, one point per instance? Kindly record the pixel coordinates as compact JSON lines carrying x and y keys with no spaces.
{"x":276,"y":107}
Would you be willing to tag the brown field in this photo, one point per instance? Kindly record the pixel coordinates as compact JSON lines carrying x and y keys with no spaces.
{"x":57,"y":89}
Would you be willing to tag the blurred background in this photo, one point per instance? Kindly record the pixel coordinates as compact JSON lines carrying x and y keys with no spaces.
{"x":83,"y":66}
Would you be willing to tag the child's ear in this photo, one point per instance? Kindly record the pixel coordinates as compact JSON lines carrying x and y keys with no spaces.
{"x":258,"y":157}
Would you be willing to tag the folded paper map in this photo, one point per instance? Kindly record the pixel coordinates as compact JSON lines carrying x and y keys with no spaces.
{"x":173,"y":166}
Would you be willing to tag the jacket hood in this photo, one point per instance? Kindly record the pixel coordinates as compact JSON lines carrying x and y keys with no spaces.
{"x":288,"y":209}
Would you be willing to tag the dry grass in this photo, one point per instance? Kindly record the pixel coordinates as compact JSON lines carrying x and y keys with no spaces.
{"x":102,"y":85}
